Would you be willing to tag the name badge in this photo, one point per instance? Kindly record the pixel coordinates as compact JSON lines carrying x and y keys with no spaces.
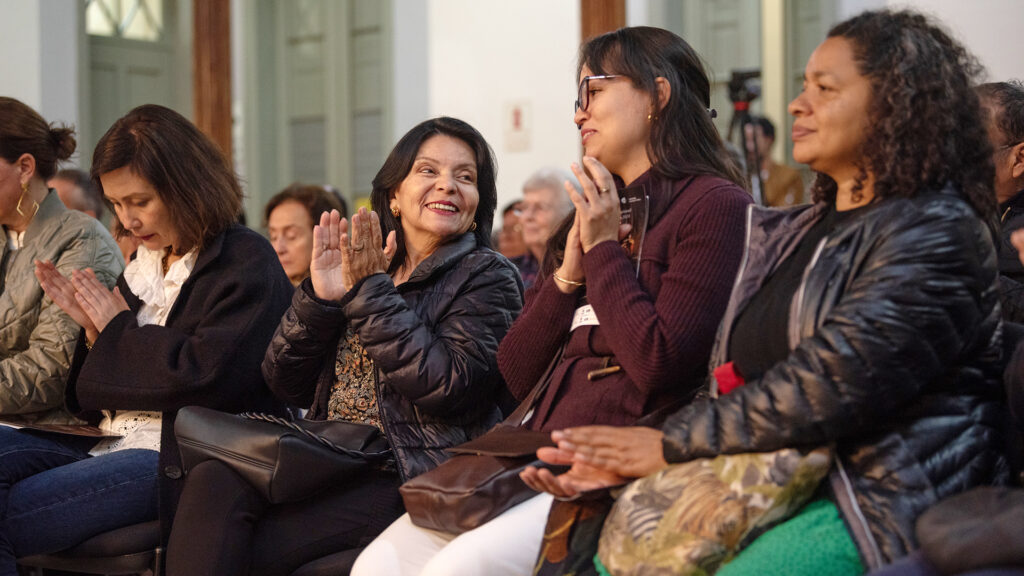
{"x":584,"y":316}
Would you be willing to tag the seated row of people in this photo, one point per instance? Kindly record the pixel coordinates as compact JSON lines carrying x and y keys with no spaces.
{"x":868,"y":321}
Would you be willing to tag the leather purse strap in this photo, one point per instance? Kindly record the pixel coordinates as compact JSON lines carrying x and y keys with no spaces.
{"x":519,"y":414}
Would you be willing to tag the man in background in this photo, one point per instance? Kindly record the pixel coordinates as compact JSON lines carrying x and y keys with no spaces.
{"x":781,"y":185}
{"x":77,"y":192}
{"x":509,"y":240}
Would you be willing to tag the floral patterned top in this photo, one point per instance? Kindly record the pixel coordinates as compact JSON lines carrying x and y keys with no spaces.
{"x":354,"y":394}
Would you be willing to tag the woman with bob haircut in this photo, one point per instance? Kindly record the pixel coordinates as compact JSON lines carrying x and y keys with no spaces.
{"x":38,"y":339}
{"x":397,"y":327}
{"x":868,"y":320}
{"x":187,"y":324}
{"x":642,"y":111}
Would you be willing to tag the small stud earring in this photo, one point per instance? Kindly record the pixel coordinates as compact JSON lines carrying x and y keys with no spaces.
{"x":395,"y":211}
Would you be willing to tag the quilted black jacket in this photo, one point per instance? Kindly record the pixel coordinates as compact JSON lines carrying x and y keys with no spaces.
{"x":433,"y":341}
{"x":895,"y":338}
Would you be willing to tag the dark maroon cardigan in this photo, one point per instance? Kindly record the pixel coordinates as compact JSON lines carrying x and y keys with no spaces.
{"x":659,"y":325}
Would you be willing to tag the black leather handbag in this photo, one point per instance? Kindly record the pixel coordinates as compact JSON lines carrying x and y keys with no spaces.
{"x":286,"y":460}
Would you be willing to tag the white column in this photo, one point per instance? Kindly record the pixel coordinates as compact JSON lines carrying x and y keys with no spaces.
{"x":40,"y":40}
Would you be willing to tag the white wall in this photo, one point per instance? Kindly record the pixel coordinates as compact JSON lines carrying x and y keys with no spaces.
{"x":20,"y":68}
{"x":989,"y":28}
{"x":486,"y":55}
{"x":410,"y":67}
{"x":39,"y":41}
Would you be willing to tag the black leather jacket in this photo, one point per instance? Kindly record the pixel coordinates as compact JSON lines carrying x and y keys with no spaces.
{"x":433,"y":341}
{"x":895,"y":339}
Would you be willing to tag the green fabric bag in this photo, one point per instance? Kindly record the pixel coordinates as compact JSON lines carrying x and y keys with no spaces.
{"x":690,"y":518}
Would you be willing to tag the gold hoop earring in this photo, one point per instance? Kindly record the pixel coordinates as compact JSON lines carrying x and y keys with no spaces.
{"x":24,"y":191}
{"x":395,"y":211}
{"x":472,"y":227}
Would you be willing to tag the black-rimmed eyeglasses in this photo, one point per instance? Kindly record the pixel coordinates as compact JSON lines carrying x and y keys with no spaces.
{"x":583,"y":94}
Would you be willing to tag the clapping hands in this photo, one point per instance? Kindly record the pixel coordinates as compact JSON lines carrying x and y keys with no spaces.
{"x":342,"y":257}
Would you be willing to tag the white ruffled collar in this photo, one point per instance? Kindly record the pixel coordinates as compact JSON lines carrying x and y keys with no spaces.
{"x":144,"y":275}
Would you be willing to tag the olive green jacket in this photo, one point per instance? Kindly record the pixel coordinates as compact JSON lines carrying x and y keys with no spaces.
{"x":37,"y":339}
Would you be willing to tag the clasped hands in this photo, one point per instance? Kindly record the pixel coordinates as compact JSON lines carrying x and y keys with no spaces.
{"x":83,"y":297}
{"x":599,"y":457}
{"x":343,"y":256}
{"x":598,"y":218}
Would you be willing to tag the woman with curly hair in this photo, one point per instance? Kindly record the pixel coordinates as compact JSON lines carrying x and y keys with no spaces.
{"x":868,"y":320}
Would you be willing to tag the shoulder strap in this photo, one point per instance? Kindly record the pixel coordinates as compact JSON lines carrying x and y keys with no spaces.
{"x":519,"y":414}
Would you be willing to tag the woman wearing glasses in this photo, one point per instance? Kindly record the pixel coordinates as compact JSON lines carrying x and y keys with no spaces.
{"x":637,"y":336}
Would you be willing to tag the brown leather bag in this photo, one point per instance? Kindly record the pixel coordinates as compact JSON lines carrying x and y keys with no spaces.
{"x":482,"y":480}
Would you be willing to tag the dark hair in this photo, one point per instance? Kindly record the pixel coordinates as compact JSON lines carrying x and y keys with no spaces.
{"x":315,"y":199}
{"x":187,"y":170}
{"x":400,"y":161}
{"x":1006,"y":100}
{"x":766,"y":126}
{"x":924,"y":120}
{"x":93,"y":198}
{"x":24,"y":131}
{"x":510,"y":207}
{"x":683,"y":138}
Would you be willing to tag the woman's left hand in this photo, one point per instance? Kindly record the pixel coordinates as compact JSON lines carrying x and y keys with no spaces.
{"x":632,"y":452}
{"x":600,"y":456}
{"x":361,"y":248}
{"x":598,"y":206}
{"x":99,"y":303}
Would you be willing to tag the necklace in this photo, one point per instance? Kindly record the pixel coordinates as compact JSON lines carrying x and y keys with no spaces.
{"x":165,"y":261}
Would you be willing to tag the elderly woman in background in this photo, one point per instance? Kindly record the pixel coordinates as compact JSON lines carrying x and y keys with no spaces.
{"x":545,"y":205}
{"x":38,"y":338}
{"x":869,"y":320}
{"x":290,"y":216}
{"x":402,"y":335}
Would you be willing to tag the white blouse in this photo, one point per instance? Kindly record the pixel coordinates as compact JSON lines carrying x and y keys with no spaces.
{"x":144,"y":275}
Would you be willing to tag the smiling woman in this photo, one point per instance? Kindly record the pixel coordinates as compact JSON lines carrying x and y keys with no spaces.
{"x":636,"y":331}
{"x":397,"y":327}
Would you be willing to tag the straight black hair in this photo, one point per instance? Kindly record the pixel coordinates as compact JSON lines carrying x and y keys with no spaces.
{"x":400,"y":161}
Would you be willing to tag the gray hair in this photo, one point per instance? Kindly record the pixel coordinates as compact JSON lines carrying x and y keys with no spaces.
{"x":549,"y":178}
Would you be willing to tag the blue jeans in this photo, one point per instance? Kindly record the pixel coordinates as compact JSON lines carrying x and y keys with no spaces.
{"x":53,"y":495}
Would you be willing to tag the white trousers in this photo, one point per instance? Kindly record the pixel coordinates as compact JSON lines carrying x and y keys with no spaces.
{"x":506,"y":546}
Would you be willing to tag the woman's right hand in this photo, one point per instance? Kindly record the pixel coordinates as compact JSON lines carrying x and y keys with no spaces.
{"x":326,"y":269}
{"x":1017,"y":239}
{"x":62,"y":292}
{"x":572,"y":262}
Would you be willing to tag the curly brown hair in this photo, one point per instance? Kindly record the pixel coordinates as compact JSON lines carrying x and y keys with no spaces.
{"x":925,"y":126}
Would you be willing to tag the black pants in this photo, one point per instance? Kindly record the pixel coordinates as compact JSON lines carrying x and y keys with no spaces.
{"x":223,"y":526}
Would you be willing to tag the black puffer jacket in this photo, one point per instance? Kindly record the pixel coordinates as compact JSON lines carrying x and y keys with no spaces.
{"x":895,"y":338}
{"x":433,"y":340}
